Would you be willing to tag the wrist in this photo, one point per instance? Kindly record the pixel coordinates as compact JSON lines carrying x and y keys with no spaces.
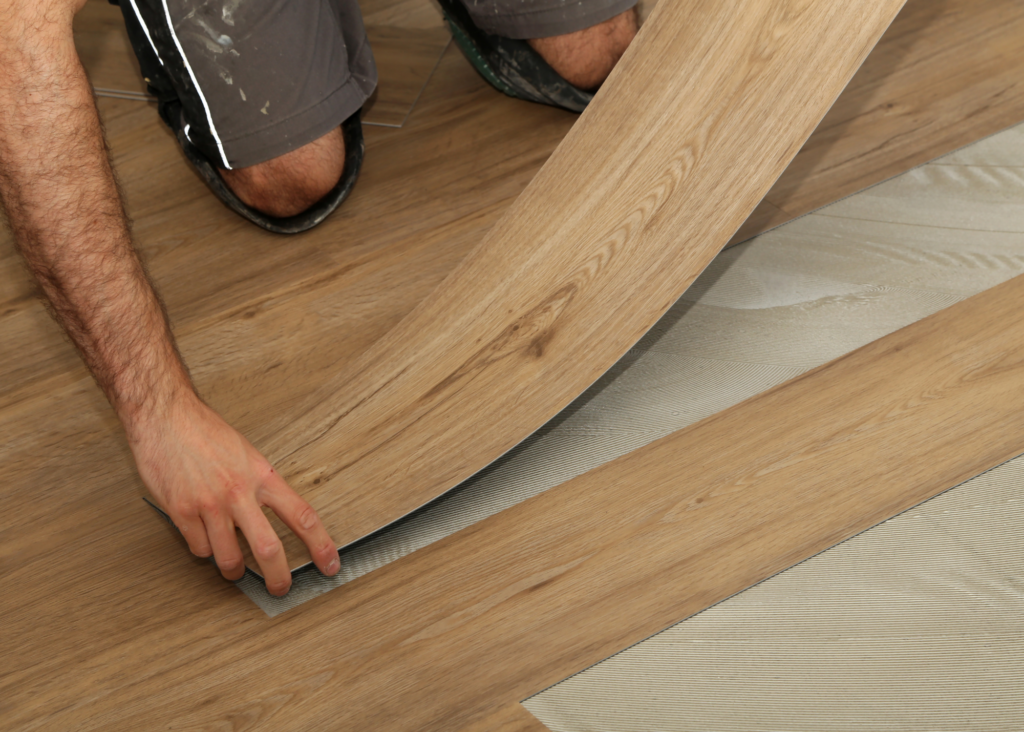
{"x":157,"y":409}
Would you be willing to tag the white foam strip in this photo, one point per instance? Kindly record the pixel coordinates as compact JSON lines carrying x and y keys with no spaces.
{"x":199,"y":91}
{"x":145,"y":29}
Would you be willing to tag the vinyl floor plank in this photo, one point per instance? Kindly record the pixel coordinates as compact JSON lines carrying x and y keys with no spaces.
{"x":494,"y":352}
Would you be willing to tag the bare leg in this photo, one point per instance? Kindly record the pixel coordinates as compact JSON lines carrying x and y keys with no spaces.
{"x":586,"y":57}
{"x":289,"y":184}
{"x":63,"y":207}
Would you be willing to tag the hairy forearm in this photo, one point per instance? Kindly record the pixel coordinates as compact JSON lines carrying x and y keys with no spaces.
{"x":66,"y":214}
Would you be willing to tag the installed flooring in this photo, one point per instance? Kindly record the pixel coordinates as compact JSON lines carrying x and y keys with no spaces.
{"x":110,"y":624}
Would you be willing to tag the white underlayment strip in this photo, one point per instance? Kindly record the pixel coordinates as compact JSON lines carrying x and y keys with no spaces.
{"x":762,"y":313}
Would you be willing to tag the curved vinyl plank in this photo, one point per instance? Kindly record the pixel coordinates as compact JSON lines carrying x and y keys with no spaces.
{"x":702,"y":114}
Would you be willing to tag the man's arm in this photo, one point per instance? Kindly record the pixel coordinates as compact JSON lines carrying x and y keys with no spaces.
{"x":65,"y":211}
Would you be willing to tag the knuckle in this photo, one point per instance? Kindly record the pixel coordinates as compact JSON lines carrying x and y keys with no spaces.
{"x":267,"y":548}
{"x":229,"y":564}
{"x":236,"y":491}
{"x":308,"y":518}
{"x":264,"y":469}
{"x":209,"y":506}
{"x":187,"y":509}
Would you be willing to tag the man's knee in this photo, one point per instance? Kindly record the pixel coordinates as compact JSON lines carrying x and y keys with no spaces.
{"x":586,"y":57}
{"x":290,"y":184}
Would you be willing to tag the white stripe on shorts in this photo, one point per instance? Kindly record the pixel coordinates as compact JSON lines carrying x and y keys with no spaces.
{"x":145,"y":30}
{"x":209,"y":117}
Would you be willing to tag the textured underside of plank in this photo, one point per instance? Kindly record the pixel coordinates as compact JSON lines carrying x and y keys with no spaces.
{"x":701,"y":116}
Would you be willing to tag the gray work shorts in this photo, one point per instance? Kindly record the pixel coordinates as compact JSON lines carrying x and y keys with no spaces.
{"x":255,"y":80}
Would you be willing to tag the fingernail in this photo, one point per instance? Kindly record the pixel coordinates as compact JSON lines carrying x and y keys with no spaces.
{"x":332,"y":566}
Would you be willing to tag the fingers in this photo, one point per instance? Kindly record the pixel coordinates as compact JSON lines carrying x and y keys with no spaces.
{"x":266,"y":547}
{"x":194,"y":531}
{"x":303,"y":521}
{"x":221,"y":531}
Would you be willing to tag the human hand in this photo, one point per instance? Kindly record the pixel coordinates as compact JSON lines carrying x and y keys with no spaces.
{"x":209,"y":479}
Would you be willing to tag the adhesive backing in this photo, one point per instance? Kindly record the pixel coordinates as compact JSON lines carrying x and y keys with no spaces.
{"x":762,"y":313}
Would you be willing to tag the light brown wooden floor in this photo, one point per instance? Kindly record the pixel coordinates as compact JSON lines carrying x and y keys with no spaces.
{"x":108,"y":622}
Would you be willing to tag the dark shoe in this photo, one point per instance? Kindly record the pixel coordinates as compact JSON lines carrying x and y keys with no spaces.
{"x":511,"y":66}
{"x":352,"y":130}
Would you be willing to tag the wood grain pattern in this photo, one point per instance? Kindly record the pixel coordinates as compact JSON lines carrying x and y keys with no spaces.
{"x":109,"y":624}
{"x":453,"y":634}
{"x":702,"y":114}
{"x":915,"y":98}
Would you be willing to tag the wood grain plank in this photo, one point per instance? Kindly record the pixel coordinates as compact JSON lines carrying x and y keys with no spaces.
{"x":703,"y":113}
{"x":913,"y":100}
